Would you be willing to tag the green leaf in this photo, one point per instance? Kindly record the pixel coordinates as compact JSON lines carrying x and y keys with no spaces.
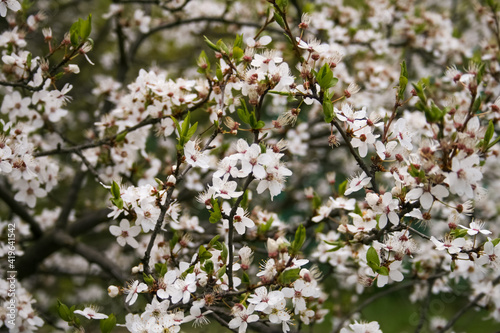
{"x":218,"y":246}
{"x":458,"y":233}
{"x":191,"y":131}
{"x":203,"y":254}
{"x":253,"y":120}
{"x":316,"y":201}
{"x":477,"y":104}
{"x":337,"y":245}
{"x":85,"y":27}
{"x":489,"y":133}
{"x":263,"y":228}
{"x":382,"y":271}
{"x":289,"y":276}
{"x":279,"y":20}
{"x":238,"y":42}
{"x":419,"y":89}
{"x":325,"y":77}
{"x":185,"y":125}
{"x":211,"y":45}
{"x":115,"y":190}
{"x":117,"y":202}
{"x":121,"y":136}
{"x":209,"y":267}
{"x":224,"y":252}
{"x":221,"y":272}
{"x":260,"y":124}
{"x":244,"y":117}
{"x":403,"y":81}
{"x":218,"y":73}
{"x":74,"y":33}
{"x":222,"y":47}
{"x":204,"y":63}
{"x":480,"y":72}
{"x":174,"y":240}
{"x":282,"y":4}
{"x":342,"y":188}
{"x":213,"y":240}
{"x":28,"y":60}
{"x":177,"y":126}
{"x":300,"y":237}
{"x":161,"y":268}
{"x":108,"y":324}
{"x":494,"y":142}
{"x":215,"y":214}
{"x":282,"y":93}
{"x":64,"y":312}
{"x":80,"y":31}
{"x":149,"y":279}
{"x":328,"y":110}
{"x":237,"y":53}
{"x":244,"y":200}
{"x":372,"y":258}
{"x":495,"y":241}
{"x":245,"y":278}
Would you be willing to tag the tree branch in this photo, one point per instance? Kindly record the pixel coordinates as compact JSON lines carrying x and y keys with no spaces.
{"x":90,"y":254}
{"x":168,"y":200}
{"x":135,"y":47}
{"x":74,"y":189}
{"x":20,"y":211}
{"x":466,"y":308}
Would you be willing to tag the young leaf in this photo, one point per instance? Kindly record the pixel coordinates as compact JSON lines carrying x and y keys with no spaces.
{"x":115,"y":190}
{"x":245,"y":278}
{"x":211,"y":45}
{"x":300,"y":237}
{"x":213,"y":240}
{"x":108,"y":324}
{"x":224,"y":253}
{"x":328,"y":110}
{"x":289,"y":276}
{"x":215,"y":214}
{"x":85,"y":27}
{"x":237,"y":53}
{"x":325,"y":78}
{"x":238,"y":42}
{"x":63,"y":311}
{"x":161,"y":268}
{"x":489,"y":133}
{"x":372,"y":258}
{"x":221,"y":272}
{"x":118,"y":202}
{"x":342,"y":187}
{"x":279,"y":20}
{"x":403,"y":81}
{"x":191,"y":131}
{"x":209,"y":267}
{"x":382,"y":270}
{"x":121,"y":137}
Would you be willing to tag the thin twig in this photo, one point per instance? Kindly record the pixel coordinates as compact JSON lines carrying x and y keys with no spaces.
{"x":466,"y":308}
{"x":71,"y":198}
{"x":355,"y":154}
{"x":111,"y":139}
{"x":231,"y":231}
{"x":425,"y":306}
{"x":135,"y":47}
{"x":168,"y":200}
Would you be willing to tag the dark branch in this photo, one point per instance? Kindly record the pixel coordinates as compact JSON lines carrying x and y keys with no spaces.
{"x":20,"y":211}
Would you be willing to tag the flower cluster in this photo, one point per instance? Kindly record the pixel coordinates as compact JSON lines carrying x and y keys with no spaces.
{"x":268,"y":180}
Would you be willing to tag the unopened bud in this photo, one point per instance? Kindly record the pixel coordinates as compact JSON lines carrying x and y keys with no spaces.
{"x":171,"y":180}
{"x":113,"y":291}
